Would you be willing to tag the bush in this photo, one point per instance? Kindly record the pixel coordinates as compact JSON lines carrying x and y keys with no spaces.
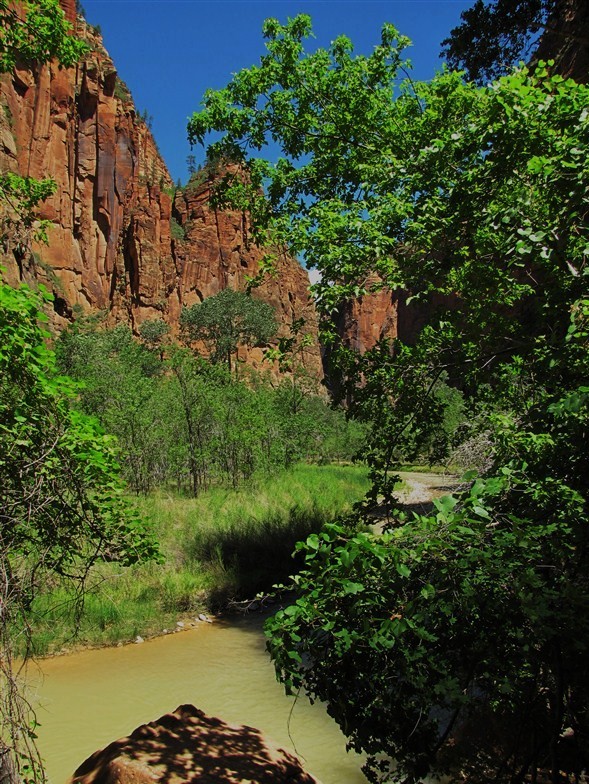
{"x":177,"y":231}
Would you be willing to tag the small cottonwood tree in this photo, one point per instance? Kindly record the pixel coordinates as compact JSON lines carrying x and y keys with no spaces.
{"x":228,"y":320}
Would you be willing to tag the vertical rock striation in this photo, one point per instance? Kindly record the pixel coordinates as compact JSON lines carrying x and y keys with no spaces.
{"x":113,"y":216}
{"x":79,"y":127}
{"x":213,"y":251}
{"x":384,"y":314}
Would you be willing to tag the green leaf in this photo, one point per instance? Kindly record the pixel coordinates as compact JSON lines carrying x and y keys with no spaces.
{"x":350,"y":587}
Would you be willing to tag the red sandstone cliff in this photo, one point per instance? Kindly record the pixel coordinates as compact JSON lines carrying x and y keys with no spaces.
{"x":212,"y":251}
{"x":110,"y":239}
{"x":79,"y":126}
{"x":566,"y":40}
{"x":121,"y":244}
{"x":383,"y":313}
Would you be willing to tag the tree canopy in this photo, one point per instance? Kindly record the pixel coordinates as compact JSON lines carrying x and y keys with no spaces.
{"x":61,"y":502}
{"x":228,"y":320}
{"x":186,"y":423}
{"x":475,"y":201}
{"x":494,"y":35}
{"x":61,"y":499}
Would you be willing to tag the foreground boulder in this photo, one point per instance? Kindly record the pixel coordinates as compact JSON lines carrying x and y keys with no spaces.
{"x":189,"y":746}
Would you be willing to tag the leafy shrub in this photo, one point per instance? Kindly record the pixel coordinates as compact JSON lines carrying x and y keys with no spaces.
{"x":177,"y":231}
{"x":121,"y":91}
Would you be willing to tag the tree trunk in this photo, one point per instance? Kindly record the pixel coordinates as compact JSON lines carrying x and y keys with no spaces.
{"x":8,"y":771}
{"x":566,"y":40}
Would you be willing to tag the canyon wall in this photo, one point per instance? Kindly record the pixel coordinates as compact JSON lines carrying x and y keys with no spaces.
{"x":384,"y":314}
{"x":565,"y":40}
{"x":122,"y":240}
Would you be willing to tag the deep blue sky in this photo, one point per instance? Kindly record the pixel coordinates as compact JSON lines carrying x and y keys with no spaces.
{"x":170,"y":51}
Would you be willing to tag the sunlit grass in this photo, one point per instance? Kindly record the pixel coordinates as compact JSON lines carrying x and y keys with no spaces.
{"x":225,"y":544}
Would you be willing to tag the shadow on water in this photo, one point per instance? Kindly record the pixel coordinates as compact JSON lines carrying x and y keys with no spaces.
{"x":90,"y":698}
{"x":249,"y":623}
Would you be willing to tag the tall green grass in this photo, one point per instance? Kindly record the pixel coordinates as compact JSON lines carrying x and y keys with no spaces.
{"x":225,"y":544}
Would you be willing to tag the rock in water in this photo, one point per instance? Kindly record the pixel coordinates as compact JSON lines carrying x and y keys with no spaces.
{"x":189,"y":746}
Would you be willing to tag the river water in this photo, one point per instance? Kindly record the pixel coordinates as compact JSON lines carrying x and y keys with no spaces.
{"x":88,"y":699}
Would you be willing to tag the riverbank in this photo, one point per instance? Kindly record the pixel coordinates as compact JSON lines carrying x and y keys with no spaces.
{"x":224,"y":545}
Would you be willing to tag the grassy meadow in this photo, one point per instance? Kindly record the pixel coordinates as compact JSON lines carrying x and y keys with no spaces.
{"x":225,"y":544}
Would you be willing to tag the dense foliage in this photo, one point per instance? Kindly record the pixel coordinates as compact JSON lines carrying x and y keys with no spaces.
{"x":458,"y":641}
{"x":38,"y":32}
{"x":60,"y":499}
{"x":61,"y":508}
{"x":61,"y":503}
{"x":496,"y":34}
{"x":228,"y":320}
{"x":184,"y":421}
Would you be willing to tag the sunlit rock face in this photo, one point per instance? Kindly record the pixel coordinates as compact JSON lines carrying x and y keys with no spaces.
{"x":122,"y":240}
{"x":79,"y":127}
{"x":69,"y":9}
{"x":122,"y":243}
{"x":214,"y":251}
{"x":189,"y":746}
{"x":114,"y":243}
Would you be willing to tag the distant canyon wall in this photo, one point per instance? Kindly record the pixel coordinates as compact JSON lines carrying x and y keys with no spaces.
{"x":121,"y":239}
{"x":124,"y":241}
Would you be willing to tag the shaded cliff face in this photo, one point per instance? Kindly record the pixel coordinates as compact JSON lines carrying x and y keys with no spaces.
{"x":566,"y":40}
{"x":384,"y":314}
{"x":110,"y":239}
{"x":365,"y":320}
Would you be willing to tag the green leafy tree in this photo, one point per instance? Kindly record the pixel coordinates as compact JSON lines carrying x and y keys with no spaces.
{"x":289,"y":354}
{"x":475,"y":201}
{"x":495,"y":34}
{"x":19,"y":226}
{"x":60,"y":493}
{"x":191,"y":164}
{"x":122,"y":387}
{"x":193,"y":399}
{"x":228,"y":320}
{"x":154,"y":333}
{"x":61,"y":503}
{"x":504,"y":31}
{"x":36,"y":32}
{"x":61,"y":498}
{"x":181,"y":419}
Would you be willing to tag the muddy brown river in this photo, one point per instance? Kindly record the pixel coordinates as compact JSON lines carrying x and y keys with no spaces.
{"x":88,"y":699}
